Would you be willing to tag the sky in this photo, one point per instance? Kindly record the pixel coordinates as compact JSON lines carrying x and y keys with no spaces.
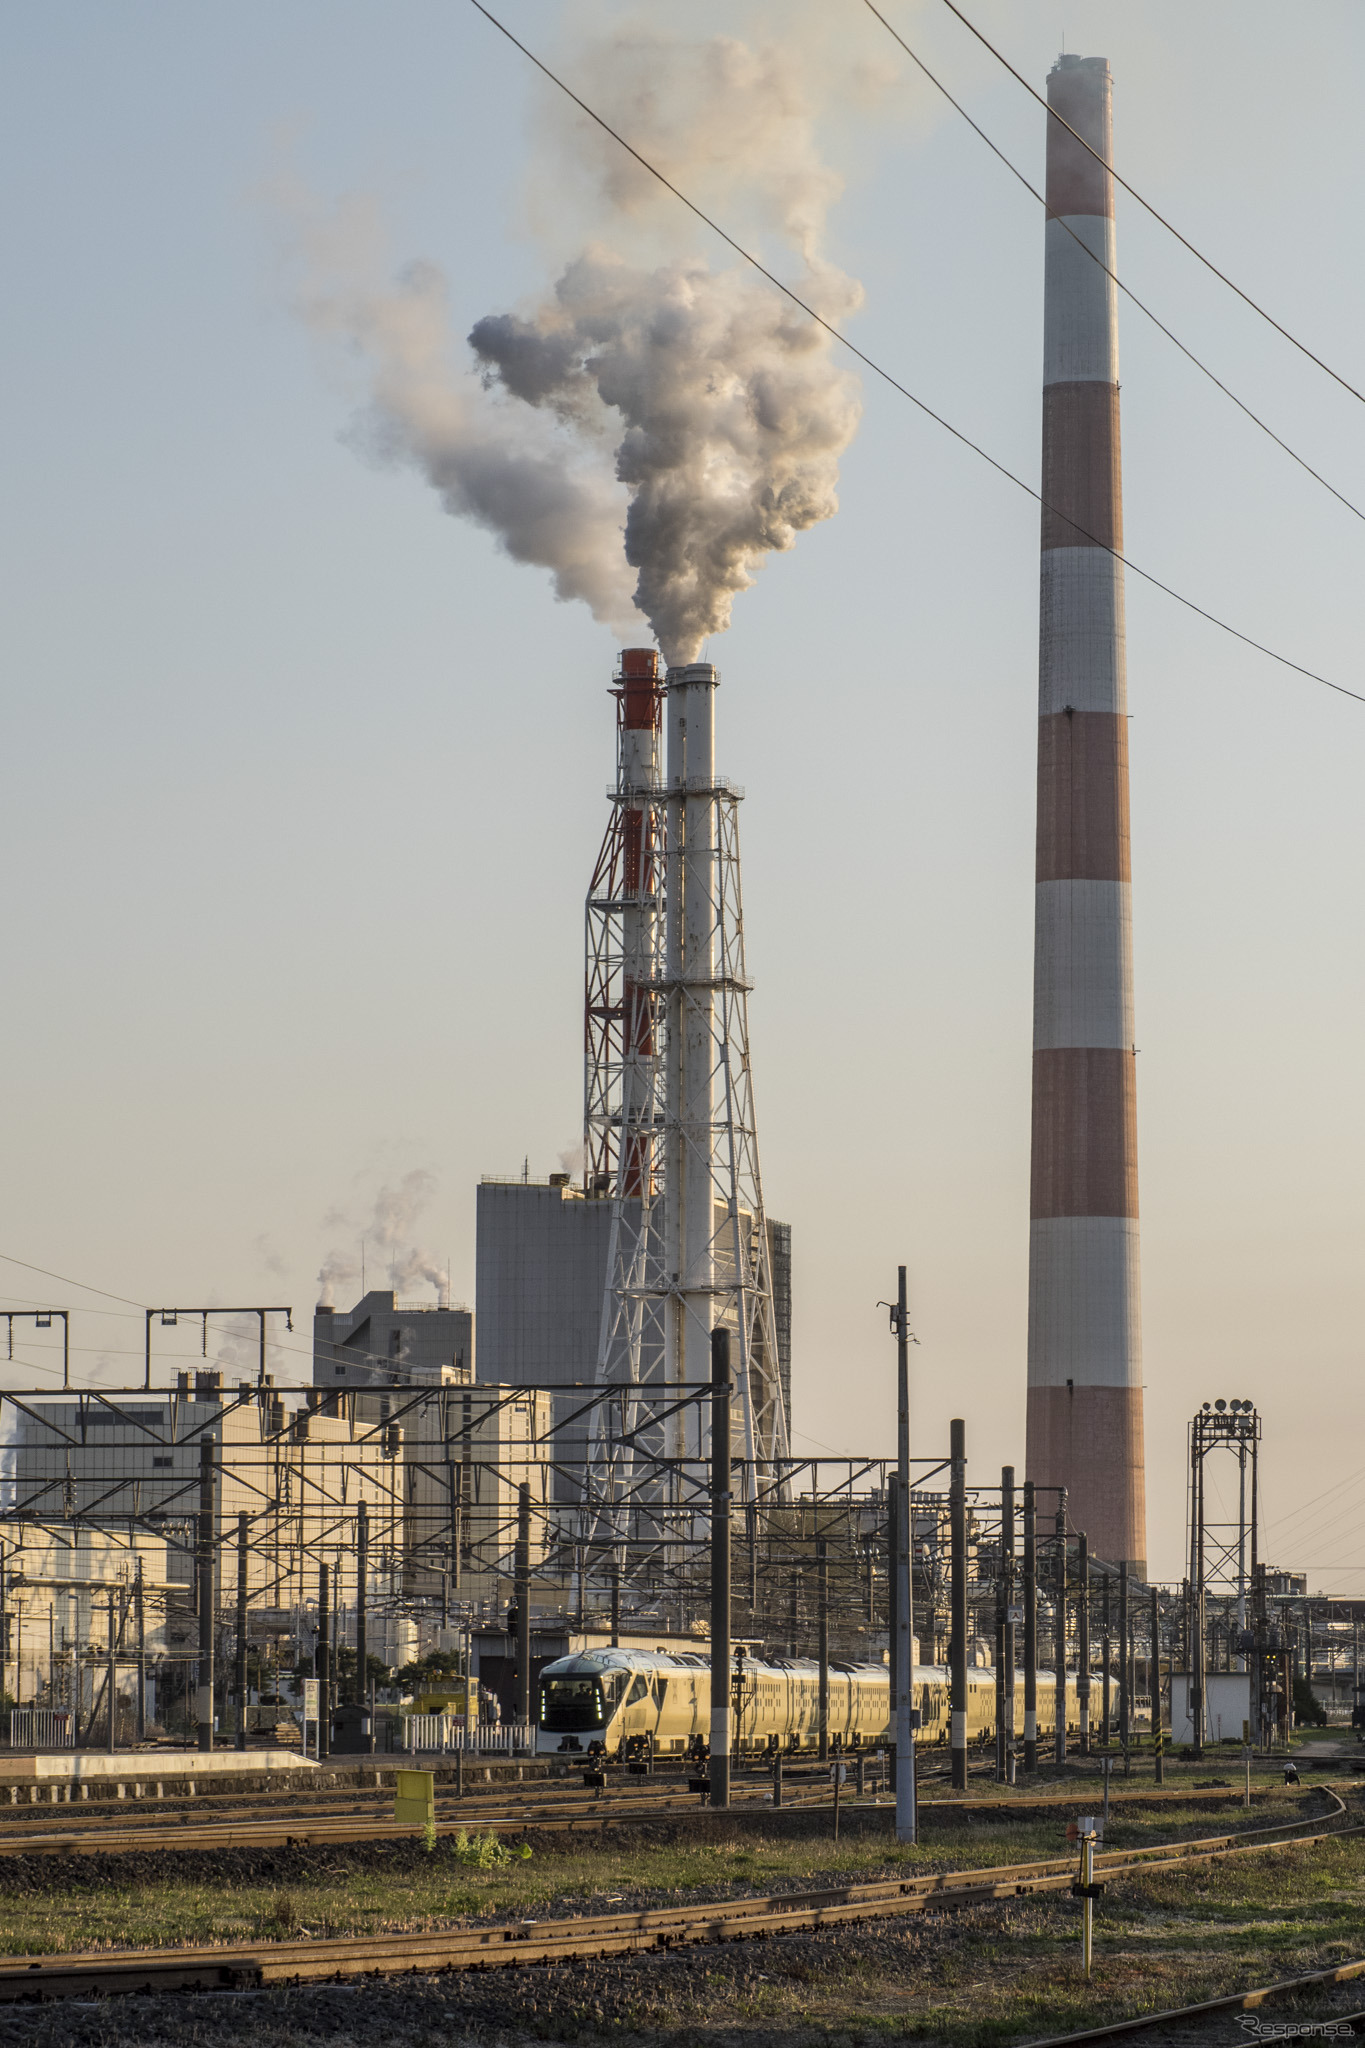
{"x":304,"y":778}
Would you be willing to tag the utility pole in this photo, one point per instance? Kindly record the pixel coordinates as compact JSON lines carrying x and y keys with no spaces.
{"x":616,"y":1600}
{"x":204,"y":1702}
{"x":322,"y":1665}
{"x":524,"y":1703}
{"x":1197,"y":1590}
{"x":241,"y":1630}
{"x":720,"y":1568}
{"x":1059,"y":1635}
{"x":903,"y":1584}
{"x":1083,"y":1639}
{"x":957,"y":1507}
{"x":1007,"y":1560}
{"x":1000,"y":1680}
{"x":1125,"y":1661}
{"x":362,"y":1625}
{"x":113,"y":1650}
{"x":1106,"y":1672}
{"x":822,"y":1639}
{"x":1030,"y":1628}
{"x":1154,"y":1685}
{"x":140,"y":1617}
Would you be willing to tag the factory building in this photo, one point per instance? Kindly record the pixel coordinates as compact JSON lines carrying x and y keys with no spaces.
{"x":383,"y":1341}
{"x":61,"y":1586}
{"x":540,"y":1275}
{"x":134,"y":1462}
{"x":438,"y":1467}
{"x":1084,"y":1331}
{"x":468,"y":1452}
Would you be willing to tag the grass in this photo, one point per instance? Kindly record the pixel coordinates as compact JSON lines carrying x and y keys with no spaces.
{"x":979,"y":1978}
{"x":475,"y":1876}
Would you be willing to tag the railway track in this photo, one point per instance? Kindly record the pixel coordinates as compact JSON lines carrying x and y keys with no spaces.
{"x":514,"y":1799}
{"x":1236,"y":2001}
{"x":316,"y":1821}
{"x":368,"y":1817}
{"x":343,"y":1814}
{"x":254,"y":1965}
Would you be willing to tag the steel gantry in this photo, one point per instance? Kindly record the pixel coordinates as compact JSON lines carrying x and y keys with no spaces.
{"x":1222,"y":1551}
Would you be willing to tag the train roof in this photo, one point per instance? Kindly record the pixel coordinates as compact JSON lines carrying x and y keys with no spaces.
{"x":586,"y":1661}
{"x":596,"y":1661}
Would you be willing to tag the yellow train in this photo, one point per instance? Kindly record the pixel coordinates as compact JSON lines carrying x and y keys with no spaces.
{"x":622,"y":1702}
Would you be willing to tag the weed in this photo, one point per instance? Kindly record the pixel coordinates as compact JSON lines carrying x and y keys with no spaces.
{"x":486,"y":1852}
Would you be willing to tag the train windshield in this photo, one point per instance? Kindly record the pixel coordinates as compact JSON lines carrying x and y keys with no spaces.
{"x":571,"y":1705}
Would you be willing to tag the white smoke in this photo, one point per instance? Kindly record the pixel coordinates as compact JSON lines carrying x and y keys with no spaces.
{"x":388,"y":1235}
{"x":237,"y":1350}
{"x":652,"y":429}
{"x":733,"y":418}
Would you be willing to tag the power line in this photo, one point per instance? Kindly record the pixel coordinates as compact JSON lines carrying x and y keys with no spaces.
{"x":1125,"y":560}
{"x":67,"y":1281}
{"x":1147,"y":206}
{"x":1112,"y":275}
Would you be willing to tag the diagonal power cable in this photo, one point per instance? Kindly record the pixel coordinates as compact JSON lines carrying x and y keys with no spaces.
{"x":877,"y":370}
{"x":1160,"y":218}
{"x":1112,"y":275}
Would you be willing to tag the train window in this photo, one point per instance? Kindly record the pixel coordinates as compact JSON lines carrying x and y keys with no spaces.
{"x":570,"y":1706}
{"x":638,"y":1689}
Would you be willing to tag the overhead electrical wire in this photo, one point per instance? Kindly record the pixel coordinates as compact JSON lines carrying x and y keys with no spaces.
{"x":1112,"y":275}
{"x":1160,"y":218}
{"x":135,"y":1312}
{"x":67,"y":1281}
{"x":877,"y":369}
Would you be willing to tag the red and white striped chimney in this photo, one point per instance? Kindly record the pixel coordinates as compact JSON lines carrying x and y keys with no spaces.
{"x":1084,"y":1345}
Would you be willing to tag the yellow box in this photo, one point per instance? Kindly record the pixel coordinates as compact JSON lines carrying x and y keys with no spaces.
{"x":416,"y":1797}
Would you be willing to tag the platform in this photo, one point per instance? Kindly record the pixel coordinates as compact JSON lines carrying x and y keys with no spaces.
{"x":77,"y":1765}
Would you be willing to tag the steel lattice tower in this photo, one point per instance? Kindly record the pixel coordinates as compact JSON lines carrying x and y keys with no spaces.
{"x":624,"y":1110}
{"x":670,"y":1129}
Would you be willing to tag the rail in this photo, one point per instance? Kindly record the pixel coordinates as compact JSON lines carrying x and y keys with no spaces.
{"x":1233,"y":2001}
{"x":517,"y":1943}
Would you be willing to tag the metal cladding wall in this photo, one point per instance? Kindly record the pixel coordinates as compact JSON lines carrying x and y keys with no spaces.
{"x":1084,"y":1344}
{"x":540,"y":1268}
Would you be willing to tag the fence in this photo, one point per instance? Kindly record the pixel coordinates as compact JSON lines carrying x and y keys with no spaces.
{"x":447,"y":1731}
{"x":41,"y":1728}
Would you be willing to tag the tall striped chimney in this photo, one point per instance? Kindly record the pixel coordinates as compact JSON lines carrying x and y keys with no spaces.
{"x":1084,"y":1341}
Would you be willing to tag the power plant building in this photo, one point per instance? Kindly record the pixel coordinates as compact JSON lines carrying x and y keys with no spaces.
{"x":383,"y":1342}
{"x":1084,"y":1337}
{"x":540,"y":1272}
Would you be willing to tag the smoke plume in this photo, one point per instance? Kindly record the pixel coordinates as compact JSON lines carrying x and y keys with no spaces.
{"x":388,"y":1235}
{"x":653,"y":427}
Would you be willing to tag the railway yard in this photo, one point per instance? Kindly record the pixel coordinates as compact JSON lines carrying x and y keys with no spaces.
{"x":538,"y":1909}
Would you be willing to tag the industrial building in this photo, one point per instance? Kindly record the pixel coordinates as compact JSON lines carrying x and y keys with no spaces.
{"x":108,"y":1489}
{"x":541,"y":1268}
{"x":383,"y":1341}
{"x":1084,"y":1330}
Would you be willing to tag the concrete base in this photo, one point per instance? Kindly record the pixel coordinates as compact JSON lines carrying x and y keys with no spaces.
{"x":90,"y":1764}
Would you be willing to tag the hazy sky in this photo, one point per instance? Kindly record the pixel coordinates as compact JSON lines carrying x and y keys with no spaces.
{"x":304,"y":779}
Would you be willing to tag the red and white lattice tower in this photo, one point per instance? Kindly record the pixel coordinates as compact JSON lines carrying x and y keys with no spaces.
{"x":669,"y":1123}
{"x":623,"y":1095}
